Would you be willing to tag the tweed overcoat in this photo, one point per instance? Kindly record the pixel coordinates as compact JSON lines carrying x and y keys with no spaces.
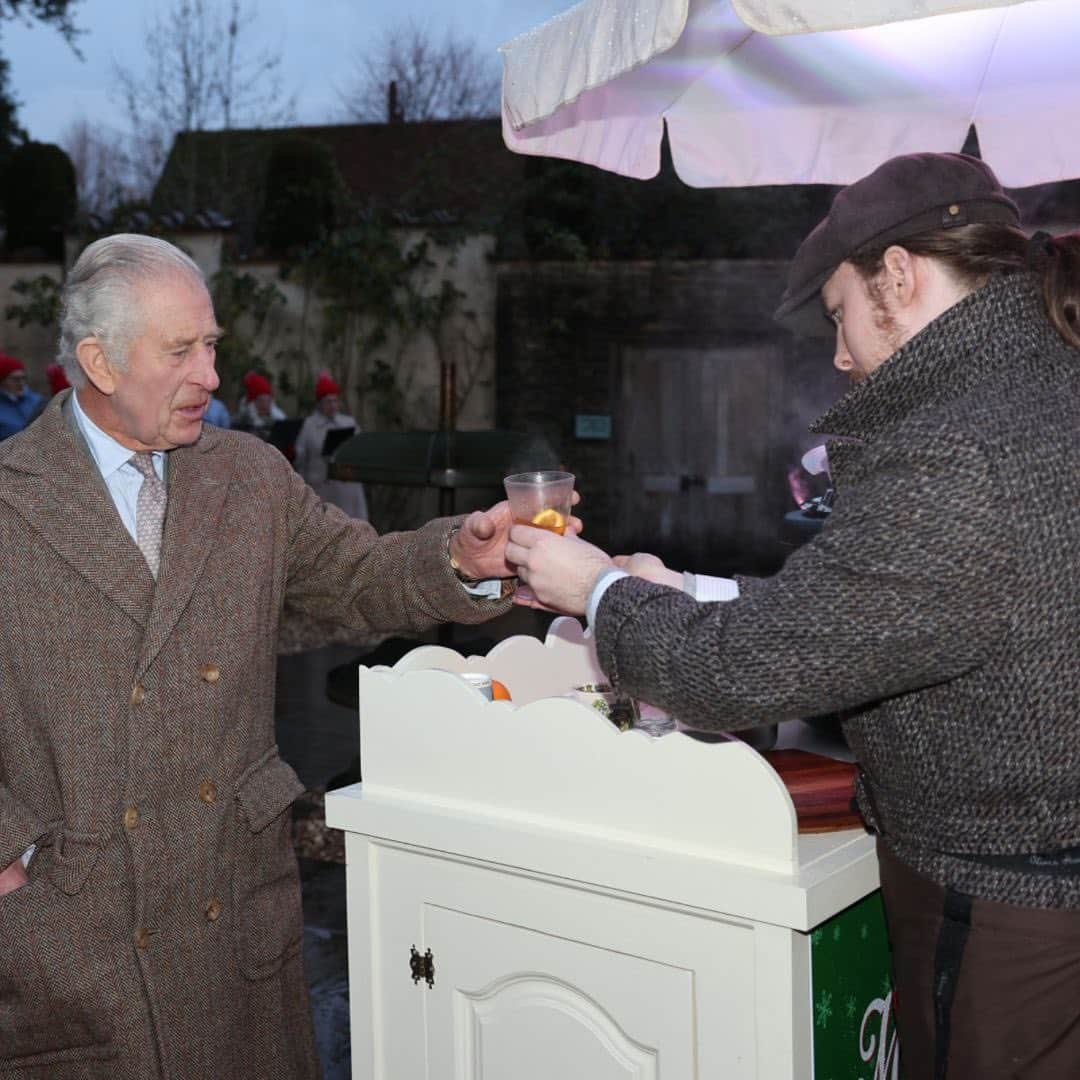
{"x":940,"y":603}
{"x":160,"y":933}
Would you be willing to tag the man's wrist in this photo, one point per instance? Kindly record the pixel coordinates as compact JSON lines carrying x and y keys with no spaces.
{"x":455,"y":565}
{"x":603,"y":580}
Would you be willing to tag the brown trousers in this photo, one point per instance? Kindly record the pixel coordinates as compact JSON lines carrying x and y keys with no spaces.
{"x":982,"y":991}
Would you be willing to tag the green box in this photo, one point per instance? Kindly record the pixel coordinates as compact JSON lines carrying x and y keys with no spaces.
{"x":854,"y":1029}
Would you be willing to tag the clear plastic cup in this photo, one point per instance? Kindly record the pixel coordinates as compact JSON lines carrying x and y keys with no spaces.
{"x":541,"y":499}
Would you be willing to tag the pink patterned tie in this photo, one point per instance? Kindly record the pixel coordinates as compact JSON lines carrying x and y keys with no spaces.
{"x":149,"y":511}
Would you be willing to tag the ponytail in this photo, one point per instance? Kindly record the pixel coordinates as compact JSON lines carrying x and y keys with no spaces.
{"x":1059,"y":263}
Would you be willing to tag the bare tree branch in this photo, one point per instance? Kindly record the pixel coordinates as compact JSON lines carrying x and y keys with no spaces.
{"x":448,"y":80}
{"x":197,"y":74}
{"x":102,"y":169}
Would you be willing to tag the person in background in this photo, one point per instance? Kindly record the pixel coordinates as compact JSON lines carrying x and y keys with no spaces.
{"x":56,"y":378}
{"x":258,"y":411}
{"x":216,"y":413}
{"x":939,"y":603}
{"x":18,"y":403}
{"x":312,"y":461}
{"x":150,"y":909}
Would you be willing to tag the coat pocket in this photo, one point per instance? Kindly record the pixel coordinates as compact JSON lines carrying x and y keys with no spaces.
{"x":268,"y":917}
{"x":57,"y":997}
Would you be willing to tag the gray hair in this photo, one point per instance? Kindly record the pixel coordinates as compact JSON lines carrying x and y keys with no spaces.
{"x":99,"y":299}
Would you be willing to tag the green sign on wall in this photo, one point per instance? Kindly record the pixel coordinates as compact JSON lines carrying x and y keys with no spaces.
{"x":854,"y":1029}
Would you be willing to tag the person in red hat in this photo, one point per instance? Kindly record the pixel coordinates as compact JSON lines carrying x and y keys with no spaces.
{"x":18,"y":403}
{"x":314,"y":450}
{"x":258,"y":411}
{"x":57,"y":379}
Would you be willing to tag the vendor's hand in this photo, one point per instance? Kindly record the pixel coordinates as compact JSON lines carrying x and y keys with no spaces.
{"x":558,"y":571}
{"x":643,"y":565}
{"x":479,"y":546}
{"x":13,"y":877}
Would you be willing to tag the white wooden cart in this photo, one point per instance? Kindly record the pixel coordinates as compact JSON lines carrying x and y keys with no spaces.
{"x":534,"y":895}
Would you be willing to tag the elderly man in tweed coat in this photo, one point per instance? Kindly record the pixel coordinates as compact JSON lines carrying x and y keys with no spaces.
{"x":156,"y":930}
{"x":940,"y":604}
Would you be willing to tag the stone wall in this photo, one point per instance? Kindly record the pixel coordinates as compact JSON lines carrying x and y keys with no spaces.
{"x":299,"y":327}
{"x":297,"y":330}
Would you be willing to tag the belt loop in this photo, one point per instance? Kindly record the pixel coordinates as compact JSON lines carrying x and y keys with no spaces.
{"x":952,"y":939}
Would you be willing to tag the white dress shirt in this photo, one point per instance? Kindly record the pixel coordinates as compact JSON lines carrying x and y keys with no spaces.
{"x":121,"y":478}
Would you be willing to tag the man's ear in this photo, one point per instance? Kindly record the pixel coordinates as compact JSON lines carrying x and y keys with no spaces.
{"x":96,"y":366}
{"x":900,"y":275}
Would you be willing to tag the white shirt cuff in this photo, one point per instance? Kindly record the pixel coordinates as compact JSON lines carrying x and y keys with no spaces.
{"x":488,"y":589}
{"x":603,"y":583}
{"x":699,"y":586}
{"x":710,"y":589}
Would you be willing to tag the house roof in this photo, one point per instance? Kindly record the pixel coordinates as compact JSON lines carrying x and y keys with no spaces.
{"x":430,"y":170}
{"x":460,"y":171}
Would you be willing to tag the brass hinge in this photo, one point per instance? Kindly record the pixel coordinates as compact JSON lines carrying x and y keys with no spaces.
{"x":422,"y":967}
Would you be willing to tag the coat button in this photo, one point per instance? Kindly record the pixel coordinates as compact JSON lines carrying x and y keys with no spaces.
{"x":213,"y":908}
{"x":138,"y":694}
{"x":131,"y":817}
{"x":210,"y":673}
{"x":208,"y":791}
{"x":142,"y":938}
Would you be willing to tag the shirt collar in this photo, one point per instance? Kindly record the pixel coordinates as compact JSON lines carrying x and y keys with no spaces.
{"x":108,"y":453}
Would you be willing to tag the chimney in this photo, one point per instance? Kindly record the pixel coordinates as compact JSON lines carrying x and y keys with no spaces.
{"x":394,"y":114}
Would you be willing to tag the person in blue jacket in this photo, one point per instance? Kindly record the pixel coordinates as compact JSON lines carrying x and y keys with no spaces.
{"x":217,"y":413}
{"x":18,"y":403}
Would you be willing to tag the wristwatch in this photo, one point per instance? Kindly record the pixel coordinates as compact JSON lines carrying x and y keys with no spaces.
{"x":454,"y":564}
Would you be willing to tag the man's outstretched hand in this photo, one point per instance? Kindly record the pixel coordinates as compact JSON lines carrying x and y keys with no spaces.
{"x":479,"y":546}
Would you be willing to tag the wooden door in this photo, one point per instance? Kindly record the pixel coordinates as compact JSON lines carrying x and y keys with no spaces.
{"x":693,"y":436}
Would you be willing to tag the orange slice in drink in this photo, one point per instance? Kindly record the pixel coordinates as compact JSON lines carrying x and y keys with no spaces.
{"x":550,"y":519}
{"x":499,"y":691}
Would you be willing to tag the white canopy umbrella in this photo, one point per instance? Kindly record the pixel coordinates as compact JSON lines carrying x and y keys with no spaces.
{"x":599,"y":82}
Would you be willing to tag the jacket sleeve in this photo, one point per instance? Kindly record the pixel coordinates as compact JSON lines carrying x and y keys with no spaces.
{"x":905,"y":586}
{"x":340,"y":570}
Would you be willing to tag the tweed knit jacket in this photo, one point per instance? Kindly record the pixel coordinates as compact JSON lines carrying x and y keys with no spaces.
{"x":939,"y":604}
{"x":160,"y":935}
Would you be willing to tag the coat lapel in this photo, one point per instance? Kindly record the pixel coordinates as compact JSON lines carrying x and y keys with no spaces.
{"x":50,"y":479}
{"x":198,"y":485}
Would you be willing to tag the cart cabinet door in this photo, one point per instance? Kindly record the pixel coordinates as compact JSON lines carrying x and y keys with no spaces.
{"x":533,"y":980}
{"x":525,"y":1005}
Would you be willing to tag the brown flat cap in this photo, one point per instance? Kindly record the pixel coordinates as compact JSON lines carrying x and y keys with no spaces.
{"x":907,"y":195}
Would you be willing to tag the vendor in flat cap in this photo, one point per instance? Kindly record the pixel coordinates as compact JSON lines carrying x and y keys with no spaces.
{"x":939,"y":607}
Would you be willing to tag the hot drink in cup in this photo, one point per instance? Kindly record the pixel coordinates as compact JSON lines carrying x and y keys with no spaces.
{"x":541,"y":499}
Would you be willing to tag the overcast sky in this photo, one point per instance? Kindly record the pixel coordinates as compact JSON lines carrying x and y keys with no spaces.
{"x":320,"y":41}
